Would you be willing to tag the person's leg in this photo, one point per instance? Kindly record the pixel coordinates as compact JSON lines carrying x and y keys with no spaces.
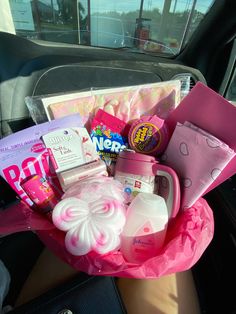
{"x":48,"y":272}
{"x":166,"y":295}
{"x":53,"y":287}
{"x":172,"y":294}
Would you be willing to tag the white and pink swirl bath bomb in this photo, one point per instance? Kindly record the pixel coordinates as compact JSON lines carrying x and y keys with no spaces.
{"x":94,"y":221}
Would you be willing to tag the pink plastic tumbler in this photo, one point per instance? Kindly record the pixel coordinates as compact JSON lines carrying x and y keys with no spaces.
{"x":137,"y":172}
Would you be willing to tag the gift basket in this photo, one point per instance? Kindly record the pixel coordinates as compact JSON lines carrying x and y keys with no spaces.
{"x":113,"y":183}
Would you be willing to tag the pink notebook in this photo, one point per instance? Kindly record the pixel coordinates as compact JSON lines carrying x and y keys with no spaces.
{"x":213,"y":113}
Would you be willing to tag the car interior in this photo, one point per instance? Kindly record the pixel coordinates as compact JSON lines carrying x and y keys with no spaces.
{"x":34,"y":67}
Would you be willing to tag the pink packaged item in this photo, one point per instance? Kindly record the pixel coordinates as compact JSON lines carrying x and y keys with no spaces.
{"x":69,"y":148}
{"x":185,"y":149}
{"x":40,"y":192}
{"x":126,"y":103}
{"x":23,"y":154}
{"x":70,"y":177}
{"x":213,"y":113}
{"x":108,"y":135}
{"x":148,"y":135}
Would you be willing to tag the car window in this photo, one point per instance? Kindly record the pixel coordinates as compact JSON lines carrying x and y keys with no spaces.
{"x":231,"y":92}
{"x":155,"y":26}
{"x":228,"y":86}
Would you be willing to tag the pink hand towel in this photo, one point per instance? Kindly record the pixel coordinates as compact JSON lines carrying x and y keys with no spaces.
{"x":198,"y":158}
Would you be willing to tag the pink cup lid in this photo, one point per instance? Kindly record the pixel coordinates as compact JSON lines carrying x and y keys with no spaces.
{"x":131,"y":162}
{"x":132,"y":155}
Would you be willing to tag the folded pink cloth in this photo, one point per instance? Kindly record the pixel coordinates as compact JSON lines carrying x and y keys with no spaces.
{"x":198,"y":158}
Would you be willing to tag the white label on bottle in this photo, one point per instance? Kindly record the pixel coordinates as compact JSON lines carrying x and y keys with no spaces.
{"x":133,"y":186}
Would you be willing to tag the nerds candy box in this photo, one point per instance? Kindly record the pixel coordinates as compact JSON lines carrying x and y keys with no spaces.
{"x":108,"y":133}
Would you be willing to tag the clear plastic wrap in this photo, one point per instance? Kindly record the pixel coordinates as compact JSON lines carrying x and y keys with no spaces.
{"x":126,"y":103}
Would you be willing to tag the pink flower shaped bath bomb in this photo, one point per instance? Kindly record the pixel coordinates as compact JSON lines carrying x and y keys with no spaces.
{"x":90,"y":226}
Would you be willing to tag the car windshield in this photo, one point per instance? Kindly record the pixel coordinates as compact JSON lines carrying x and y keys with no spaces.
{"x":151,"y":26}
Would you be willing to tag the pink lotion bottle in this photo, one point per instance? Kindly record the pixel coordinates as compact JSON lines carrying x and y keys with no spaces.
{"x":144,"y":232}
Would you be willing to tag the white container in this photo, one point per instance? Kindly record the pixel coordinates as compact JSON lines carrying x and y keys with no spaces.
{"x":145,"y":229}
